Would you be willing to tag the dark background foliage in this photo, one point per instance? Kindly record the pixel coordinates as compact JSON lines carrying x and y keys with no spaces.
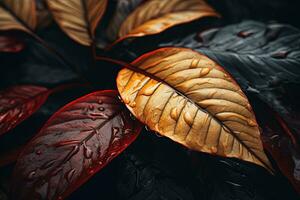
{"x":152,"y":167}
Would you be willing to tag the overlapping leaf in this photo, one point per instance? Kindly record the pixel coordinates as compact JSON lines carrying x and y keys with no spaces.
{"x":19,"y":102}
{"x":76,"y":142}
{"x":187,"y":97}
{"x":155,"y":16}
{"x":265,"y":61}
{"x":10,"y":44}
{"x":77,"y":18}
{"x":17,"y":15}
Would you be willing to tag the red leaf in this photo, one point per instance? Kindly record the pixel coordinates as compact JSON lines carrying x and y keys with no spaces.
{"x":19,"y":102}
{"x":76,"y":142}
{"x":280,"y":142}
{"x":10,"y":44}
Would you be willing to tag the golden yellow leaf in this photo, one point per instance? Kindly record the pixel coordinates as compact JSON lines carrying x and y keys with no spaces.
{"x":187,"y":97}
{"x":155,"y":16}
{"x":78,"y":18}
{"x":17,"y":15}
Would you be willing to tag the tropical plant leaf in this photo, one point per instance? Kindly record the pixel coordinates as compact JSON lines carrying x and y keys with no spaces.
{"x":187,"y":97}
{"x":18,"y":15}
{"x":18,"y":103}
{"x":155,"y":16}
{"x":76,"y":142}
{"x":77,"y":18}
{"x":10,"y":44}
{"x":263,"y":58}
{"x":44,"y":17}
{"x":265,"y":61}
{"x":123,"y":9}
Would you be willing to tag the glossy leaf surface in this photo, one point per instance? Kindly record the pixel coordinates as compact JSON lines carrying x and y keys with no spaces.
{"x":76,"y":142}
{"x":195,"y":103}
{"x":18,"y":103}
{"x":17,"y":15}
{"x":77,"y":18}
{"x":155,"y":16}
{"x":265,"y":60}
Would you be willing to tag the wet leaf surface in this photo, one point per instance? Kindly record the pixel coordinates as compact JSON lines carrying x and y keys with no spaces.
{"x":190,"y":99}
{"x":18,"y":103}
{"x":264,"y":59}
{"x":75,"y":143}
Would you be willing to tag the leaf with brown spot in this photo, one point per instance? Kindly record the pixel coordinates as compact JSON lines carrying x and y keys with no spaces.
{"x":75,"y":143}
{"x":155,"y":16}
{"x":187,"y":97}
{"x":18,"y":15}
{"x":78,"y":18}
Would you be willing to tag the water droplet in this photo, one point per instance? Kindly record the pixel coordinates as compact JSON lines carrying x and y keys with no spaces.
{"x":132,"y":104}
{"x":120,"y":98}
{"x":127,"y":131}
{"x":204,"y":71}
{"x":100,"y":163}
{"x":91,"y":107}
{"x":87,"y":151}
{"x":147,"y":128}
{"x":194,"y":63}
{"x":126,"y":100}
{"x":244,"y":34}
{"x":280,"y":54}
{"x":213,"y":150}
{"x":91,"y":171}
{"x":31,"y":175}
{"x":101,"y":109}
{"x":251,"y":89}
{"x":149,"y":90}
{"x":100,"y":101}
{"x":38,"y":152}
{"x":115,"y":130}
{"x":248,"y":106}
{"x":158,"y":134}
{"x":174,"y":113}
{"x":188,"y":118}
{"x":251,"y":122}
{"x":69,"y":175}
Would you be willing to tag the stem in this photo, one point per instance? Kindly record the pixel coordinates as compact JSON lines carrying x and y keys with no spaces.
{"x":128,"y":66}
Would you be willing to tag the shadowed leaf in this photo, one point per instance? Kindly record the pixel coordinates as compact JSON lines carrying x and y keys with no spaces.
{"x":18,"y":103}
{"x":77,"y":18}
{"x":17,"y":15}
{"x":155,"y":16}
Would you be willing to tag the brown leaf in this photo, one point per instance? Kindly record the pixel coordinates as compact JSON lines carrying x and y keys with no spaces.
{"x":77,"y":18}
{"x":193,"y":101}
{"x":17,"y":15}
{"x":76,"y":142}
{"x":155,"y":16}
